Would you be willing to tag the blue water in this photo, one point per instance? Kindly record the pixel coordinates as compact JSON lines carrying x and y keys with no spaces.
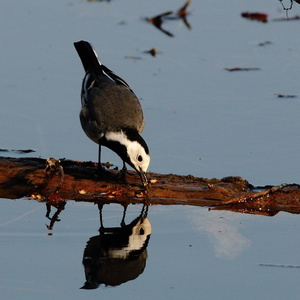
{"x":191,"y":253}
{"x":200,"y":120}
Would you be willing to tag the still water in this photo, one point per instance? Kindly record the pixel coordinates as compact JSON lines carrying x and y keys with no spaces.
{"x":200,"y":119}
{"x":184,"y":252}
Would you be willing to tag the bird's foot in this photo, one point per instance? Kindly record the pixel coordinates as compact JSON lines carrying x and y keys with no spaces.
{"x":103,"y":173}
{"x":122,"y":174}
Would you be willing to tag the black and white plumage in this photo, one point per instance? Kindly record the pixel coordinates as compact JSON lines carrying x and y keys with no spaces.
{"x":111,"y":114}
{"x":117,"y":254}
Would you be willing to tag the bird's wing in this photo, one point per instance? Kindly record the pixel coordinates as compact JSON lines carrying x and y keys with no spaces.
{"x":118,"y":80}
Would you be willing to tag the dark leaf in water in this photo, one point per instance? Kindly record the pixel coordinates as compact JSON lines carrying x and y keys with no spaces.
{"x":24,"y":151}
{"x":182,"y":13}
{"x":261,"y":17}
{"x":265,"y":43}
{"x":158,"y":20}
{"x":241,"y":69}
{"x":187,"y":24}
{"x":18,"y":151}
{"x":286,"y":96}
{"x":152,"y":51}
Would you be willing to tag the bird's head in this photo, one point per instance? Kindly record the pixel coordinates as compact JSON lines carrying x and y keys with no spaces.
{"x":139,"y":158}
{"x":132,"y":148}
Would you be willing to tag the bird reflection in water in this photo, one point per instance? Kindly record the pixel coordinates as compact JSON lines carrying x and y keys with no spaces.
{"x":117,"y":254}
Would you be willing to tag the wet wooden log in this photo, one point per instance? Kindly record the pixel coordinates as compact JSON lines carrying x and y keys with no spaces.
{"x":267,"y":202}
{"x":34,"y":178}
{"x":26,"y":177}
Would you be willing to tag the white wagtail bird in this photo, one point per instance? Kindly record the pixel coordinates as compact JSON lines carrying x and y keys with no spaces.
{"x":111,"y":114}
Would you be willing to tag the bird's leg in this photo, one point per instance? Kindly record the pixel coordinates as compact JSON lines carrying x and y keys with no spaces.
{"x":101,"y":229}
{"x":124,"y":215}
{"x":100,"y":168}
{"x":124,"y":169}
{"x":101,"y":172}
{"x":123,"y":172}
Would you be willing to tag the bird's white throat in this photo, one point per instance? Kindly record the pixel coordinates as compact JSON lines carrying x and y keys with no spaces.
{"x":119,"y":137}
{"x":135,"y":151}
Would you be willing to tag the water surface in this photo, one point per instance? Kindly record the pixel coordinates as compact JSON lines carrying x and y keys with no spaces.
{"x":191,"y":253}
{"x":200,"y":120}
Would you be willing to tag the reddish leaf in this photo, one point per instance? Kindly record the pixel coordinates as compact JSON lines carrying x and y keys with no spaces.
{"x":261,"y":17}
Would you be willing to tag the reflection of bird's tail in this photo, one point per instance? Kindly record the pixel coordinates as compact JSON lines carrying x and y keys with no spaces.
{"x":88,"y":56}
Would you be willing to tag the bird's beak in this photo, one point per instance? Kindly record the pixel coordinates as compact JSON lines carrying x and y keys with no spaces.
{"x":143,"y":177}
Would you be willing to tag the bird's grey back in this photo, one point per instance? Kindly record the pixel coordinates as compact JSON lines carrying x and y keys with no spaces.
{"x":114,"y":107}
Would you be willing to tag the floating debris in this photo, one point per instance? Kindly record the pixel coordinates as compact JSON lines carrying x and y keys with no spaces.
{"x":132,"y":57}
{"x":24,"y":151}
{"x":261,"y":17}
{"x":280,"y":266}
{"x":285,"y":96}
{"x":20,"y":151}
{"x":241,"y":69}
{"x":264,"y":43}
{"x":158,"y":20}
{"x":153,"y":51}
{"x":181,"y":14}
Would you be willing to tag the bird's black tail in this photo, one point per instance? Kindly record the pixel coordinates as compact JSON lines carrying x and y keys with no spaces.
{"x":92,"y":64}
{"x":88,"y":56}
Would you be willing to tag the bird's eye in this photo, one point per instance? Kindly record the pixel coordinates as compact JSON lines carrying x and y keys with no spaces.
{"x":140,"y":158}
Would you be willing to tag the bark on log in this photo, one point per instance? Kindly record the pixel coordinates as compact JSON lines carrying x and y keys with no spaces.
{"x":29,"y":177}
